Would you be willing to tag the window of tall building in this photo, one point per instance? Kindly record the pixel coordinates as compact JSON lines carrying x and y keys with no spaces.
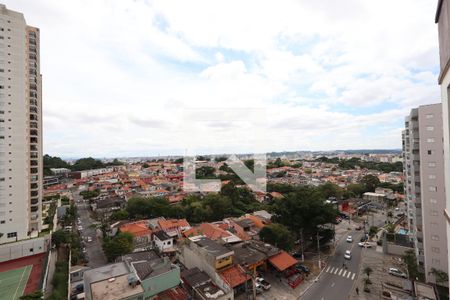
{"x":432,"y":188}
{"x":430,"y":140}
{"x":429,"y":116}
{"x":430,"y":128}
{"x":435,"y":249}
{"x":435,"y":262}
{"x":431,"y":176}
{"x":433,"y":201}
{"x":434,"y":213}
{"x":12,"y":234}
{"x":435,"y":237}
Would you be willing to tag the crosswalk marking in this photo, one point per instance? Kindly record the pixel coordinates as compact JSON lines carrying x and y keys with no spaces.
{"x":341,"y":272}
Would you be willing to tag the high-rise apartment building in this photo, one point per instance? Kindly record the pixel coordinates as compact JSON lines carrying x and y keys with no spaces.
{"x":20,"y":128}
{"x":424,"y":185}
{"x":442,"y":18}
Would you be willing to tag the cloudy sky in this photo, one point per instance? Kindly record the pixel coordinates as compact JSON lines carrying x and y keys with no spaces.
{"x":133,"y":78}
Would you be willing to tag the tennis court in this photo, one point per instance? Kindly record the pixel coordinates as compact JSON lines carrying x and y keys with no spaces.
{"x":13,"y":282}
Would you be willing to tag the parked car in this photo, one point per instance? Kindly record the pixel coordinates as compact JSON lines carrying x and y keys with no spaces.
{"x":302,"y":268}
{"x":89,"y":239}
{"x":263,"y":283}
{"x":397,"y":272}
{"x":365,"y":245}
{"x":349,"y":239}
{"x":348,"y":254}
{"x":359,"y":227}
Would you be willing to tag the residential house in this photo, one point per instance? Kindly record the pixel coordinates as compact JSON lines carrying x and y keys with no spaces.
{"x":174,"y":227}
{"x":142,"y":235}
{"x":163,"y":242}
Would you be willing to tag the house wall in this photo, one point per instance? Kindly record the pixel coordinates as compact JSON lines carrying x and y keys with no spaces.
{"x":158,"y":284}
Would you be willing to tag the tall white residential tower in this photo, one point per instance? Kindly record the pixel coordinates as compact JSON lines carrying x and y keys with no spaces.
{"x":21,"y":167}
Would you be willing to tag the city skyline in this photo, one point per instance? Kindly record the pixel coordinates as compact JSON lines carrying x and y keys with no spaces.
{"x":323,"y":71}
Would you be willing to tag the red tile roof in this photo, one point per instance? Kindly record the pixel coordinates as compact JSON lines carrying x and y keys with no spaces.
{"x":173,"y":223}
{"x":139,"y":228}
{"x":212,"y":231}
{"x":282,"y":261}
{"x":234,"y":276}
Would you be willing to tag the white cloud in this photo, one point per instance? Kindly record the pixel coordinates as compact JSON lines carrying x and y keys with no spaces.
{"x":119,"y":75}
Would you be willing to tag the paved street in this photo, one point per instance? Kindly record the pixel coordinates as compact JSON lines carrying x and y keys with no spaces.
{"x":336,"y":281}
{"x":94,"y":249}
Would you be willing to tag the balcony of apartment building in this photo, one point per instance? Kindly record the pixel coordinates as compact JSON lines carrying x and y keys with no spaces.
{"x":34,"y":186}
{"x":33,"y":110}
{"x":33,"y":125}
{"x":33,"y":87}
{"x":34,"y":178}
{"x":32,"y":57}
{"x":34,"y":117}
{"x":34,"y":163}
{"x":34,"y":132}
{"x":34,"y":208}
{"x":33,"y":94}
{"x":34,"y":197}
{"x":34,"y":170}
{"x":34,"y":155}
{"x":33,"y":148}
{"x":34,"y":140}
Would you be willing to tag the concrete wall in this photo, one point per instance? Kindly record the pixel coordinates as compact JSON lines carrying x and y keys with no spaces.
{"x":444,"y":37}
{"x":24,"y":248}
{"x":393,"y":249}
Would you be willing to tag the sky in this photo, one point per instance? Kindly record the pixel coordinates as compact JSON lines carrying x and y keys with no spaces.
{"x":146,"y":78}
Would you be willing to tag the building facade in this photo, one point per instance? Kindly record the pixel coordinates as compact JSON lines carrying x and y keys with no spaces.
{"x":442,"y":18}
{"x":21,"y":167}
{"x":425,"y":187}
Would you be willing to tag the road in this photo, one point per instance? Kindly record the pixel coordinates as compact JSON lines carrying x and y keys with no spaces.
{"x":336,"y":282}
{"x":94,"y":249}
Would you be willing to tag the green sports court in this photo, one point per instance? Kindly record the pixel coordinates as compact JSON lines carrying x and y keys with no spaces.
{"x":13,"y":282}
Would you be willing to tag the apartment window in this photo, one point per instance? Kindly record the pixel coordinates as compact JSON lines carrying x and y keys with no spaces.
{"x":435,"y":237}
{"x":432,"y":188}
{"x":430,"y":128}
{"x":432,"y":176}
{"x":434,"y":225}
{"x":430,"y":140}
{"x":431,"y":152}
{"x":433,"y":201}
{"x":435,"y":249}
{"x":429,"y":116}
{"x":11,"y":235}
{"x":434,"y":213}
{"x":2,"y":222}
{"x":435,"y":262}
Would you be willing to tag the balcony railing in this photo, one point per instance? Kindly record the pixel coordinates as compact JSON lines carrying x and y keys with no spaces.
{"x":34,"y":170}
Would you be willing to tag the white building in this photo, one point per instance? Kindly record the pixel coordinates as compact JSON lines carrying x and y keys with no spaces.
{"x":424,"y":185}
{"x":442,"y":18}
{"x":20,"y":128}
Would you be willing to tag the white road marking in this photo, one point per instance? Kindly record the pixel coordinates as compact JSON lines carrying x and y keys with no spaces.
{"x":332,"y":269}
{"x":327,"y":269}
{"x":340,"y":272}
{"x":332,"y":285}
{"x":343,"y":275}
{"x":353,"y":277}
{"x":335,"y":272}
{"x":349,"y":274}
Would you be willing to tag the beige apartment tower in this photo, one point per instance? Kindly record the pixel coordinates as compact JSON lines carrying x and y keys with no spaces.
{"x":20,"y":129}
{"x":425,"y":187}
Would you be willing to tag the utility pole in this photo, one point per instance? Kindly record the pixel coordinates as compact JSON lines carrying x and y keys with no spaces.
{"x":301,"y":238}
{"x":318,"y":249}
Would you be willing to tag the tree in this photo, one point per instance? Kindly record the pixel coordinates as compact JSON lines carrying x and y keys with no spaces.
{"x":119,"y":215}
{"x":368,"y":270}
{"x":304,"y":210}
{"x":411,"y":263}
{"x":440,"y":276}
{"x":179,"y":160}
{"x":60,"y":237}
{"x":329,"y":189}
{"x":278,"y":235}
{"x":355,"y":190}
{"x":117,"y":246}
{"x":371,"y":182}
{"x":373,"y":230}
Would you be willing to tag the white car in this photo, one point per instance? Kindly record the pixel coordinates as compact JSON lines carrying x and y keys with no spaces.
{"x":348,"y":254}
{"x":365,"y":245}
{"x":349,"y":239}
{"x":262,"y":283}
{"x":89,"y":239}
{"x":397,"y":272}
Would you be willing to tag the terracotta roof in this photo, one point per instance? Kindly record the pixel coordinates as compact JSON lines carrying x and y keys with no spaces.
{"x":277,"y":195}
{"x":234,"y":276}
{"x":212,"y":231}
{"x":171,"y":223}
{"x":176,"y":293}
{"x":257,"y":221}
{"x":137,"y":228}
{"x":282,"y":261}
